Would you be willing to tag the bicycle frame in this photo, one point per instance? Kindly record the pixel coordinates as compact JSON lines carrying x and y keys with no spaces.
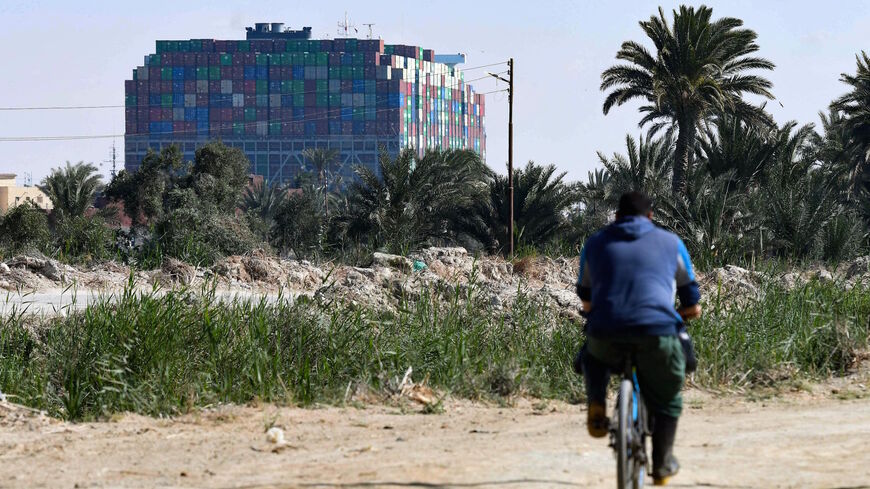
{"x":628,"y":431}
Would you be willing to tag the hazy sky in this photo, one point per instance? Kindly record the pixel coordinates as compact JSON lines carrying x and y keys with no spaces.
{"x":80,"y":53}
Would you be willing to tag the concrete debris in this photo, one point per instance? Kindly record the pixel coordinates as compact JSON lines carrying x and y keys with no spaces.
{"x":393,"y":281}
{"x":175,"y":272}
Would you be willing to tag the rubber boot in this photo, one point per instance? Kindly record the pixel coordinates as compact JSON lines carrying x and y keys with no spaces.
{"x":665,"y":464}
{"x":596,"y":420}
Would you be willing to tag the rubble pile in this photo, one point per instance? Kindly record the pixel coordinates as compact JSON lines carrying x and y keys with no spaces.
{"x":391,"y":280}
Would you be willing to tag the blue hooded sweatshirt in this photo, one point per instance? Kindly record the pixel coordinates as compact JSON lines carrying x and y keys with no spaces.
{"x":630,"y":271}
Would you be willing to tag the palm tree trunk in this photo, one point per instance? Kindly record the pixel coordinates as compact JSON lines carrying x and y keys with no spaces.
{"x":685,"y":141}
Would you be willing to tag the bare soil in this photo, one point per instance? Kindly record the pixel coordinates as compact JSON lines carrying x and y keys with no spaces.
{"x":812,"y":439}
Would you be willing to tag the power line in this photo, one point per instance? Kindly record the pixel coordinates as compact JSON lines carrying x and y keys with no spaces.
{"x":196,"y":131}
{"x":137,"y":106}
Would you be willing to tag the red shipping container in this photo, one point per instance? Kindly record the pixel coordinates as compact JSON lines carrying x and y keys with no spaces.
{"x":262,"y":114}
{"x":220,"y":46}
{"x":250,"y":87}
{"x":238,"y":59}
{"x":214,"y":59}
{"x":249,"y":58}
{"x":310,"y":85}
{"x":369,"y":71}
{"x":226,"y":72}
{"x":238,"y":73}
{"x":346,"y":86}
{"x":279,"y":46}
{"x":214,"y":86}
{"x":339,"y":45}
{"x":238,"y":114}
{"x":274,"y":72}
{"x":250,"y":100}
{"x":190,"y":86}
{"x":207,"y":45}
{"x":226,"y":115}
{"x":129,"y":87}
{"x":202,"y":100}
{"x":310,"y":100}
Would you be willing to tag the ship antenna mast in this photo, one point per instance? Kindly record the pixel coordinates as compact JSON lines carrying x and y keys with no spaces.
{"x":345,"y":27}
{"x":370,"y":29}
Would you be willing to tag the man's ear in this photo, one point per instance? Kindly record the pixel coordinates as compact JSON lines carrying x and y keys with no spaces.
{"x":649,"y":215}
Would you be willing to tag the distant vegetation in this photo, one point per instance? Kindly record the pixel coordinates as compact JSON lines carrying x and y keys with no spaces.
{"x":735,"y":184}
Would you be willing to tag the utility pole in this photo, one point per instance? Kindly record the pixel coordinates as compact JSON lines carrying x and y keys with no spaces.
{"x":510,"y":90}
{"x":511,"y":151}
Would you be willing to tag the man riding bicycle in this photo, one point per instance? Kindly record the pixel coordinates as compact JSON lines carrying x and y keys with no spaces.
{"x":629,"y":273}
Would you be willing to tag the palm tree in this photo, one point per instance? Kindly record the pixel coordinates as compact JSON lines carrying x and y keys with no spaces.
{"x":264,"y":199}
{"x":646,"y":167}
{"x":72,"y":189}
{"x":698,"y":68}
{"x":855,"y":107}
{"x":322,"y":159}
{"x":542,"y":200}
{"x":415,"y":200}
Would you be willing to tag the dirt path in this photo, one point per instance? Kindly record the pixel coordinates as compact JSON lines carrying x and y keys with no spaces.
{"x":723,"y":443}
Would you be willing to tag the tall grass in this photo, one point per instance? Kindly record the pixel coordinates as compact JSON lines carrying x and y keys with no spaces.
{"x":164,"y":353}
{"x":159,"y":353}
{"x":816,"y":329}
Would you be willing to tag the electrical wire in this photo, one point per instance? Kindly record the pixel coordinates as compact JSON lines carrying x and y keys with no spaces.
{"x":136,"y":106}
{"x":196,"y":131}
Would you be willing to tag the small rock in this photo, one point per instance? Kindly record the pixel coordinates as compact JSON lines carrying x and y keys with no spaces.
{"x":4,"y":268}
{"x":392,"y":261}
{"x":275,"y":435}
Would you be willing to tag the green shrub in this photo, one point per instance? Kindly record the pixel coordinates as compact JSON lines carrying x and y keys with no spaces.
{"x":84,"y":239}
{"x":202,"y":238}
{"x":25,"y":228}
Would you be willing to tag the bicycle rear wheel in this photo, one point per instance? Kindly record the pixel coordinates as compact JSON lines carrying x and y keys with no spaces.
{"x":624,"y":459}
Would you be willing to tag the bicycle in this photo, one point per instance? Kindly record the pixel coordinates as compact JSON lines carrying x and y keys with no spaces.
{"x":629,"y":430}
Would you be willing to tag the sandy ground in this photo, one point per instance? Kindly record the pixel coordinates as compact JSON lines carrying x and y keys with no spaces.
{"x":808,"y":441}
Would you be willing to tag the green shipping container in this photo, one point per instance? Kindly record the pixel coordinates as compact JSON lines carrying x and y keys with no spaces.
{"x":130,"y":101}
{"x":214,"y":73}
{"x":322,"y":86}
{"x":250,"y":114}
{"x":238,"y":128}
{"x":262,"y":87}
{"x":202,"y":73}
{"x":226,"y":60}
{"x":244,"y":46}
{"x":322,"y":100}
{"x":275,"y":128}
{"x":166,"y":74}
{"x":166,"y":100}
{"x":286,"y":86}
{"x":262,"y":59}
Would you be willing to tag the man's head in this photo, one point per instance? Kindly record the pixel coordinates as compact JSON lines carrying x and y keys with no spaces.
{"x":634,"y":204}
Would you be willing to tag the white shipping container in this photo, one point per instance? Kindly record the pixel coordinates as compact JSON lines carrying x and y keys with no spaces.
{"x":190,"y":100}
{"x":226,"y":86}
{"x":202,"y":86}
{"x":359,"y":99}
{"x":178,"y":114}
{"x":347,"y":100}
{"x":262,"y":100}
{"x":334,"y":86}
{"x":262,"y":128}
{"x":322,"y":72}
{"x":142,"y":73}
{"x":238,"y":100}
{"x":274,"y":100}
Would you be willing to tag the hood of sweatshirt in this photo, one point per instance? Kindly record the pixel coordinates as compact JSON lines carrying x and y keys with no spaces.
{"x":631,"y":227}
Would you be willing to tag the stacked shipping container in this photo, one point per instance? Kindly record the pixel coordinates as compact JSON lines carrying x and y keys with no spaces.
{"x":273,"y":98}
